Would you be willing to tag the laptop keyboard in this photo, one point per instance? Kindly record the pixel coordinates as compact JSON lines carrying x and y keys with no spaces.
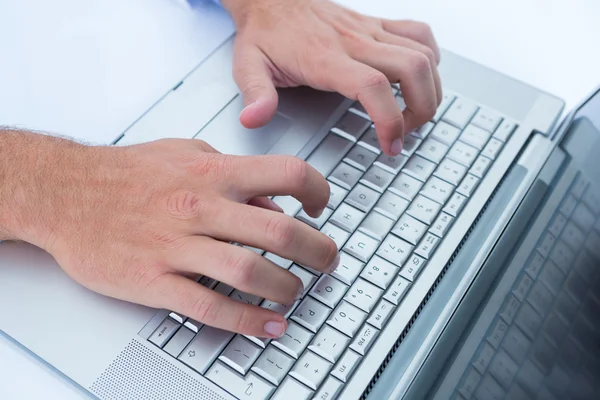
{"x":387,"y":215}
{"x":547,"y":327}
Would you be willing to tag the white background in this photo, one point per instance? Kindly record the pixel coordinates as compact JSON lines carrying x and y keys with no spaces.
{"x":551,"y":44}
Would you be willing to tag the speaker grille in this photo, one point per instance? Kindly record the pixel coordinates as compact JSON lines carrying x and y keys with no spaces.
{"x":138,"y":373}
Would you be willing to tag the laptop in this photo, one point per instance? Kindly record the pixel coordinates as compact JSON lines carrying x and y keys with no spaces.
{"x":469,"y":262}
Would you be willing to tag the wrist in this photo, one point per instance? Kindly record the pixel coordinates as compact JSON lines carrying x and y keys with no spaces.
{"x":30,"y":168}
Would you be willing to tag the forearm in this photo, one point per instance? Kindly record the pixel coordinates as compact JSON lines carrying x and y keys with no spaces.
{"x":28,"y":164}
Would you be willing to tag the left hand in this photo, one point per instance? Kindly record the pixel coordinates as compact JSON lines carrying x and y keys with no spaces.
{"x":285,"y":43}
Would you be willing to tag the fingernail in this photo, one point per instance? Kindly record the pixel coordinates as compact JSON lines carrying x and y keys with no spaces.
{"x":274,"y":329}
{"x":397,"y":146}
{"x":274,"y":206}
{"x":334,"y":264}
{"x":248,"y":106}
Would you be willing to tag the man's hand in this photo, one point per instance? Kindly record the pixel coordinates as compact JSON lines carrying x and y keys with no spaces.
{"x":318,"y":43}
{"x":140,"y":223}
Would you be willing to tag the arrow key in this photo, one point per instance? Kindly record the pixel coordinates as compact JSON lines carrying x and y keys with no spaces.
{"x":243,"y":387}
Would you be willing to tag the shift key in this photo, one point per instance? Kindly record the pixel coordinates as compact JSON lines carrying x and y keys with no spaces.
{"x":205,"y":348}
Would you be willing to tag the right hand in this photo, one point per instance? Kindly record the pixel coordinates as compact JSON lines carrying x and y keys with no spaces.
{"x":140,"y":223}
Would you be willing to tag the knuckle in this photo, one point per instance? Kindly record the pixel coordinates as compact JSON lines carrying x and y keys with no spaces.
{"x":296,"y":171}
{"x":280,"y":231}
{"x":423,"y":31}
{"x":419,"y":64}
{"x":375,"y":79}
{"x":243,"y":269}
{"x":430,"y":55}
{"x":205,"y":309}
{"x":184,"y":204}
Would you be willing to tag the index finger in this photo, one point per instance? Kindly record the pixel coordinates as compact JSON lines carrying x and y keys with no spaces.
{"x":372,"y":88}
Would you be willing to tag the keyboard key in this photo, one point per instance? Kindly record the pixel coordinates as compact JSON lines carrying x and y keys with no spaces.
{"x":362,"y":198}
{"x":427,"y":246}
{"x":288,"y":204}
{"x":503,"y":368}
{"x":397,"y":291}
{"x":363,"y":295}
{"x":450,"y":171}
{"x":193,"y":325}
{"x":516,"y":344}
{"x":441,"y":225}
{"x":347,"y":217}
{"x":419,"y":168}
{"x":360,"y":157}
{"x":291,"y":389}
{"x":391,"y":205}
{"x":469,"y":383}
{"x":422,"y":131}
{"x":447,"y":99}
{"x":240,"y":354}
{"x":413,"y":268}
{"x":522,"y":286}
{"x":463,"y":154}
{"x":557,"y":224}
{"x":318,"y":222}
{"x":283,"y":309}
{"x":246,"y":387}
{"x":445,"y":133}
{"x":328,"y":290}
{"x":482,"y":164}
{"x":364,"y":339}
{"x":505,"y":130}
{"x":306,"y":277}
{"x":540,"y":298}
{"x":423,"y":209}
{"x":579,"y":186}
{"x":351,"y":126}
{"x":338,"y":235}
{"x":345,"y":176}
{"x":433,"y":150}
{"x":460,"y":112}
{"x":405,"y":186}
{"x":484,"y":357}
{"x":411,"y":144}
{"x":273,"y":365}
{"x":370,"y":141}
{"x":489,"y":389}
{"x":336,"y":195}
{"x":358,"y":109}
{"x":475,"y":137}
{"x":437,"y":190}
{"x":329,"y":153}
{"x":529,"y":320}
{"x":509,"y":308}
{"x":573,"y":236}
{"x":181,"y":339}
{"x":311,"y":314}
{"x":409,"y":229}
{"x":401,"y":102}
{"x":496,"y":333}
{"x":205,"y":348}
{"x":583,"y":217}
{"x":468,"y":185}
{"x":391,"y":164}
{"x":280,"y":261}
{"x":552,"y":277}
{"x":329,"y":390}
{"x":376,"y":225}
{"x":492,"y":148}
{"x":346,"y":365}
{"x":376,"y":178}
{"x":223,"y":289}
{"x":348,"y":269}
{"x":530,"y":378}
{"x":575,"y":286}
{"x":361,"y":246}
{"x":329,"y":343}
{"x":311,"y":369}
{"x":455,"y":204}
{"x":591,"y":198}
{"x":395,"y":250}
{"x":487,"y":119}
{"x":178,"y":318}
{"x":294,"y":340}
{"x":164,"y":332}
{"x":347,"y":319}
{"x":208,"y":282}
{"x":379,"y":272}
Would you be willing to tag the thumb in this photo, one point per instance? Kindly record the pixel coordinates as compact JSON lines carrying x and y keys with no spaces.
{"x":252,"y":75}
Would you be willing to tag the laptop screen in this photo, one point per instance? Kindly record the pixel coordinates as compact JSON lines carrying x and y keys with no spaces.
{"x":536,"y":334}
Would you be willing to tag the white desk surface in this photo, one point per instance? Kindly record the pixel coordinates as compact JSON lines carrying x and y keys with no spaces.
{"x":551,"y":44}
